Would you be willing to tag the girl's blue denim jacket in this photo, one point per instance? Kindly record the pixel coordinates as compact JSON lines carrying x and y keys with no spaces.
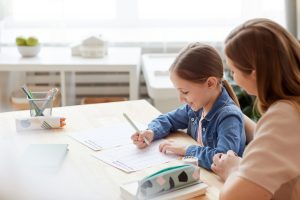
{"x":222,"y":128}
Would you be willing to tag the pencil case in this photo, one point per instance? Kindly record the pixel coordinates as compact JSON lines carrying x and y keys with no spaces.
{"x":167,"y":180}
{"x":40,"y":122}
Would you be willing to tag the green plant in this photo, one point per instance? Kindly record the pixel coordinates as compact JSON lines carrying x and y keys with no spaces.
{"x":246,"y":101}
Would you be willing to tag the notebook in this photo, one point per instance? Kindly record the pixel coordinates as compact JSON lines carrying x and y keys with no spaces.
{"x":129,"y":190}
{"x":44,"y":156}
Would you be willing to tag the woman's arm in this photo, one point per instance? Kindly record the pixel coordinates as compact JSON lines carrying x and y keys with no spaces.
{"x":236,"y":188}
{"x":249,"y":128}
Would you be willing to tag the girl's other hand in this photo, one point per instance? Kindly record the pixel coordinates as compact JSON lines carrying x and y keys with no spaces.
{"x":138,"y":138}
{"x":225,"y":164}
{"x":171,"y":146}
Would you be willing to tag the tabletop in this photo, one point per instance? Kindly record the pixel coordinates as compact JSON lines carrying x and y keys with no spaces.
{"x":80,"y":176}
{"x":60,"y":58}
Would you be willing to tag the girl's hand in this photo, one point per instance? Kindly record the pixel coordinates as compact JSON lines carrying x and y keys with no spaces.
{"x":170,"y":146}
{"x":138,"y":138}
{"x":225,"y":164}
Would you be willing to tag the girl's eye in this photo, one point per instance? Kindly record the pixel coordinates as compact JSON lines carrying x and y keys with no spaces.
{"x":185,"y":93}
{"x":232,"y":73}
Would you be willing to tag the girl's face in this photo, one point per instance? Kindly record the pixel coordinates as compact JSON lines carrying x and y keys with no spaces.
{"x":246,"y":81}
{"x":196,"y":95}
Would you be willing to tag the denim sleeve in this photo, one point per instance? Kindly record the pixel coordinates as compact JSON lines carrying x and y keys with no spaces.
{"x":170,"y":122}
{"x":230,"y":137}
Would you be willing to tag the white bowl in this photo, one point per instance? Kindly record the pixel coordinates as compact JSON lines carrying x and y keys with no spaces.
{"x":29,"y":51}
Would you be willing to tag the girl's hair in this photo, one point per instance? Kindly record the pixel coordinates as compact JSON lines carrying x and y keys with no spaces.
{"x":197,"y":62}
{"x":265,"y":46}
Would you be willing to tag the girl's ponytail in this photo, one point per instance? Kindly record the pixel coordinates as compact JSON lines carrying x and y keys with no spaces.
{"x":230,"y":92}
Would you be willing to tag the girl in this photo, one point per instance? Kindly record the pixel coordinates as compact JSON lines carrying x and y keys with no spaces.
{"x":211,"y":112}
{"x":265,"y":61}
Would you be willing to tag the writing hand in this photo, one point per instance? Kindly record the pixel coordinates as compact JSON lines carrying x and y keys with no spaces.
{"x":138,"y":138}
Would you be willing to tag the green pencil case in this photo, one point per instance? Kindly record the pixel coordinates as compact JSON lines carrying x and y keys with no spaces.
{"x":167,"y":180}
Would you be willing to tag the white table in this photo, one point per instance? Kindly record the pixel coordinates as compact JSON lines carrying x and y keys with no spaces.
{"x":81,"y":176}
{"x":59,"y":59}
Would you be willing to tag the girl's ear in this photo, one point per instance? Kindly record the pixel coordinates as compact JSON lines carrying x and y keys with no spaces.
{"x":212,"y":82}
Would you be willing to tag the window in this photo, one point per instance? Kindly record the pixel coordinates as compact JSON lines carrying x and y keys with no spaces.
{"x":40,"y":11}
{"x":202,"y":10}
{"x":65,"y":21}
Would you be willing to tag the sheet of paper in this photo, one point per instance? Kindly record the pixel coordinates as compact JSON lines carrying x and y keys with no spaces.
{"x":129,"y":158}
{"x":105,"y":137}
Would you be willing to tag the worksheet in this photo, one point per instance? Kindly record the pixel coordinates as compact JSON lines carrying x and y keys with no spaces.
{"x":105,"y":137}
{"x":129,"y":158}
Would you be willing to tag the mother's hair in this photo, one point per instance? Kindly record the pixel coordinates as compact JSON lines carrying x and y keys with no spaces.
{"x":266,"y":47}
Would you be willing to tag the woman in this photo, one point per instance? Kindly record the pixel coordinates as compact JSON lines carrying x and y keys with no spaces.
{"x":265,"y":60}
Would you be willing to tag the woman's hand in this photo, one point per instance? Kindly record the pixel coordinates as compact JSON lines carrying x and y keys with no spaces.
{"x":170,"y":146}
{"x":138,"y":138}
{"x":224,"y":164}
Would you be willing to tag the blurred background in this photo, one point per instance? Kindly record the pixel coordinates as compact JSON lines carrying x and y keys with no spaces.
{"x":60,"y":22}
{"x":159,"y":27}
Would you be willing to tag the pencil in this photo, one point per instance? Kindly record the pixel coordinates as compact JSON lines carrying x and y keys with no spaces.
{"x":135,"y":127}
{"x":29,"y":95}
